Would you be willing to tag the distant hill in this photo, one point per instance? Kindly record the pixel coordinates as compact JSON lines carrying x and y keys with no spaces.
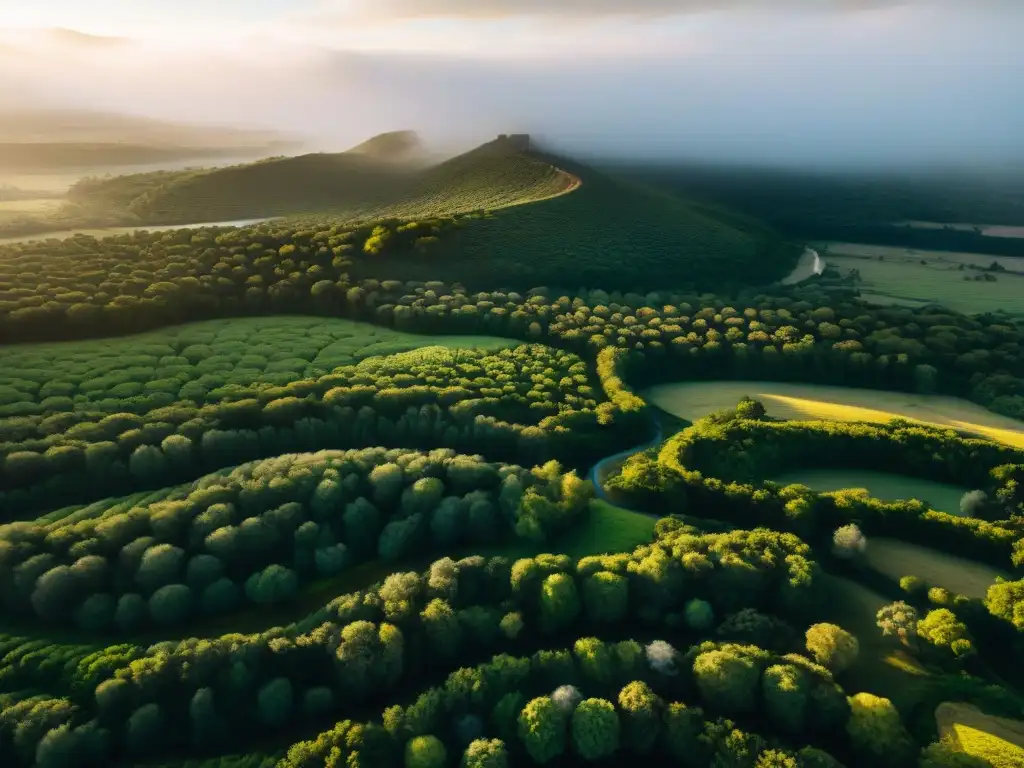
{"x":367,"y":182}
{"x":51,"y":140}
{"x":399,"y":146}
{"x":581,"y":227}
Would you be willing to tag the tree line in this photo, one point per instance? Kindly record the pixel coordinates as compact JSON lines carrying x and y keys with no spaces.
{"x":256,"y":534}
{"x":532,"y":403}
{"x":364,"y":646}
{"x":684,"y":474}
{"x":82,"y":287}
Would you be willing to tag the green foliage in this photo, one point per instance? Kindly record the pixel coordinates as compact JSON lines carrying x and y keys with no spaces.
{"x":200,"y":551}
{"x":595,"y":729}
{"x":485,"y":753}
{"x":875,"y":730}
{"x":726,"y":680}
{"x":832,"y":646}
{"x":542,"y":729}
{"x":425,"y":752}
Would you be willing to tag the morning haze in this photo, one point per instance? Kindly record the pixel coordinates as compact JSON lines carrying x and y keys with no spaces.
{"x":848,"y":83}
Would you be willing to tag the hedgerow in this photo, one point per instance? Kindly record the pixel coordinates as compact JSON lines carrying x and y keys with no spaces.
{"x":720,"y":465}
{"x":531,"y":403}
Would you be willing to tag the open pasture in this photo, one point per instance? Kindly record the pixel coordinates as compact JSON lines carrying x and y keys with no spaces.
{"x":998,"y":740}
{"x":896,"y":559}
{"x":988,"y":230}
{"x":692,"y":400}
{"x":881,"y":485}
{"x":932,"y":276}
{"x":186,"y":360}
{"x":882,"y":667}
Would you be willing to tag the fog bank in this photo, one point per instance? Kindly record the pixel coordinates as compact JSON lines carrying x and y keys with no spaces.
{"x":919,"y":84}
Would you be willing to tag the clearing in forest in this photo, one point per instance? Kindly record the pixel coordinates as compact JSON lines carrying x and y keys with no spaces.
{"x":963,"y":282}
{"x":998,"y":740}
{"x":692,"y":400}
{"x":896,"y":559}
{"x":886,"y":486}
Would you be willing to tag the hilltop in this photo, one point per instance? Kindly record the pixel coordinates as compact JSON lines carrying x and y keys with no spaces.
{"x":394,"y":146}
{"x":586,"y":237}
{"x":559,"y":239}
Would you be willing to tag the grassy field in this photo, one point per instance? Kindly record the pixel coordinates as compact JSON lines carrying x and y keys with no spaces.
{"x":883,"y":666}
{"x":896,"y":559}
{"x":882,"y":485}
{"x":989,"y":230}
{"x":998,"y":740}
{"x":931,"y":276}
{"x":692,"y":400}
{"x":275,"y":350}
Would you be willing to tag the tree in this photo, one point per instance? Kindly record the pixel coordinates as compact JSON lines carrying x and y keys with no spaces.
{"x":160,"y":565}
{"x":606,"y":597}
{"x":442,"y":629}
{"x":274,"y":702}
{"x":1005,"y":600}
{"x":726,"y":680}
{"x":875,"y":730}
{"x":943,"y":629}
{"x":425,"y":752}
{"x":273,"y":585}
{"x":566,"y":698}
{"x":641,"y":713}
{"x":848,"y":542}
{"x":784,"y":688}
{"x":485,"y":753}
{"x":899,"y":619}
{"x":682,"y":729}
{"x":832,"y":646}
{"x":699,"y":615}
{"x":559,"y":602}
{"x":542,"y":729}
{"x":170,"y":604}
{"x":145,"y":731}
{"x":595,"y":729}
{"x":662,"y":657}
{"x":974,"y":504}
{"x":748,"y":408}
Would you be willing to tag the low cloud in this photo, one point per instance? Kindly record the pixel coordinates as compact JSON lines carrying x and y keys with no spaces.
{"x":597,"y":9}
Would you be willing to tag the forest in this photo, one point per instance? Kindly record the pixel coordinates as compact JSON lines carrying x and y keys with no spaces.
{"x":323,"y":492}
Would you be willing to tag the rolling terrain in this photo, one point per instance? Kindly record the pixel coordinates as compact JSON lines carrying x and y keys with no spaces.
{"x":336,"y":488}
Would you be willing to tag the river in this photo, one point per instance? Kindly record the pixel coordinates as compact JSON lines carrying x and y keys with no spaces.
{"x":810,"y":264}
{"x":111,"y":231}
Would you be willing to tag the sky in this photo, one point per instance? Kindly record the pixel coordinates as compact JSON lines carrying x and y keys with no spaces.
{"x":798,"y":82}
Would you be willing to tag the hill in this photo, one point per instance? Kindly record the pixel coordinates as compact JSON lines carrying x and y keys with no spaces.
{"x":607,"y":228}
{"x":395,"y":145}
{"x":370,"y":181}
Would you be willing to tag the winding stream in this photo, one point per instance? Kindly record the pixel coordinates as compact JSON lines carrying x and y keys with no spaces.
{"x":603,"y":468}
